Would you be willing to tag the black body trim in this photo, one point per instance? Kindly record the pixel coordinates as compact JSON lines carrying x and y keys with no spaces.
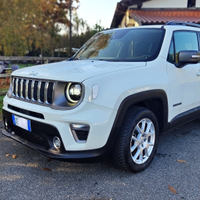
{"x":131,"y":101}
{"x":26,"y":112}
{"x":185,"y":117}
{"x":69,"y":156}
{"x":141,"y":97}
{"x":177,"y":104}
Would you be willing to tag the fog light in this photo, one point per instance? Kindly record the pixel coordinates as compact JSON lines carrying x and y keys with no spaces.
{"x":56,"y":142}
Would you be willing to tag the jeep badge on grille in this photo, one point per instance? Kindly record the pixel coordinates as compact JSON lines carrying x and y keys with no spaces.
{"x":33,"y":73}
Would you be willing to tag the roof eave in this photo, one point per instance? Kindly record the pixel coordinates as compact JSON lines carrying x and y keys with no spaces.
{"x":121,"y":9}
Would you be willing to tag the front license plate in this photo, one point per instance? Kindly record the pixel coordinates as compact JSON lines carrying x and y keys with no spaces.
{"x":21,"y":122}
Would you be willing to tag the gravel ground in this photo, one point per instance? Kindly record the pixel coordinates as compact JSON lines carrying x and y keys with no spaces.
{"x":33,"y":176}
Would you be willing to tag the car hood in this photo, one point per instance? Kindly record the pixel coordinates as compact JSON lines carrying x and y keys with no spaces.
{"x":74,"y":71}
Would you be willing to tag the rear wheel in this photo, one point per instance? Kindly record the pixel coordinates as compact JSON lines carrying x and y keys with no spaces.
{"x":137,"y":140}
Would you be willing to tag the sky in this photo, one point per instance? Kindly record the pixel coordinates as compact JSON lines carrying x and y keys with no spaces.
{"x":94,"y":10}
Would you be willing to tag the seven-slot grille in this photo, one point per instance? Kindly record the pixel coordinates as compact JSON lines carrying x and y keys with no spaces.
{"x":37,"y":91}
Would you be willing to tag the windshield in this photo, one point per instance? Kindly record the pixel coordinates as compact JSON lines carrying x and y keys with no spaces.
{"x":142,"y":44}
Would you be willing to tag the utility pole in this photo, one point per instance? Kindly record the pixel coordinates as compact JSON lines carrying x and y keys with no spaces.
{"x":70,"y":28}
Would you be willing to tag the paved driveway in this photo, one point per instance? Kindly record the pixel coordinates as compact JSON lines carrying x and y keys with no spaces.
{"x":29,"y":176}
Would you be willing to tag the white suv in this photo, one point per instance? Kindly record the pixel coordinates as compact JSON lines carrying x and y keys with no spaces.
{"x":114,"y":97}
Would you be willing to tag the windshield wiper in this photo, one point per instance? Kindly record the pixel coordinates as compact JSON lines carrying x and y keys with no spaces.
{"x":72,"y":58}
{"x":109,"y":60}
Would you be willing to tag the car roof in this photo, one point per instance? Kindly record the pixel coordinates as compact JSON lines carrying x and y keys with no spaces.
{"x":173,"y":25}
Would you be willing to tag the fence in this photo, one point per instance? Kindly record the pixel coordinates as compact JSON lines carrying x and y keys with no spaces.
{"x":42,"y":59}
{"x":4,"y":78}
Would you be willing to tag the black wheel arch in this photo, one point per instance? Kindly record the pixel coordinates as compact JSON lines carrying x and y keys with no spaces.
{"x":154,"y":100}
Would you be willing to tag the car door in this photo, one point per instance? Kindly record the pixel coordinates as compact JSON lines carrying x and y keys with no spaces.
{"x":184,"y":80}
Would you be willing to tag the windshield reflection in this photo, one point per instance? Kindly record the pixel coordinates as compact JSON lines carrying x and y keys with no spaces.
{"x":123,"y":45}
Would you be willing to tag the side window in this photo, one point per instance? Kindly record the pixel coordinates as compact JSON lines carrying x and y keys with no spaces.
{"x":185,"y":40}
{"x":171,"y":53}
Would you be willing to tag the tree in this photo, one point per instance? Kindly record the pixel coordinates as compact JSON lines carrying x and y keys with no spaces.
{"x":77,"y":24}
{"x":23,"y":22}
{"x":13,"y":27}
{"x":97,"y":28}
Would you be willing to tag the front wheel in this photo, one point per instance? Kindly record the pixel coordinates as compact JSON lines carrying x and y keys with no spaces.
{"x":137,"y":140}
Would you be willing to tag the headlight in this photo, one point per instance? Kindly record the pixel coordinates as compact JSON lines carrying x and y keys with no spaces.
{"x":73,"y":92}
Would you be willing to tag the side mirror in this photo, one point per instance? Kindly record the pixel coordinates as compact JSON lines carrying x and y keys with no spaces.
{"x":186,"y":57}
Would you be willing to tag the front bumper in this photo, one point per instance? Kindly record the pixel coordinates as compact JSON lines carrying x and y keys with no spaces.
{"x":41,"y":139}
{"x":99,"y":119}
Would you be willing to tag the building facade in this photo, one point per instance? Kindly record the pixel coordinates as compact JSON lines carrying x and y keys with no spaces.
{"x":145,"y":12}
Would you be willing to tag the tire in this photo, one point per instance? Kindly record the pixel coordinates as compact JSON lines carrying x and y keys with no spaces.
{"x":137,"y":140}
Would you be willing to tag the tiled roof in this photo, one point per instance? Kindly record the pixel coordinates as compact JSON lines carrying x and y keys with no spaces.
{"x":120,"y":10}
{"x":157,"y":16}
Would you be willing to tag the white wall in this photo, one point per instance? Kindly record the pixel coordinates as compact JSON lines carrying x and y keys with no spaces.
{"x":167,"y":4}
{"x":198,"y":3}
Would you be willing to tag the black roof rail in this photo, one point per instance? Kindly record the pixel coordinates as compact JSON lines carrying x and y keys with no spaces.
{"x":183,"y":24}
